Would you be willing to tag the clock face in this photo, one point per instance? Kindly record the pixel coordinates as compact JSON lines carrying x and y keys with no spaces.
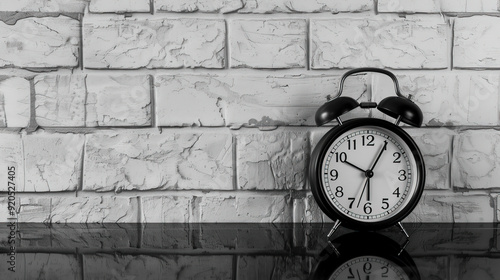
{"x":369,"y":268}
{"x":369,"y":174}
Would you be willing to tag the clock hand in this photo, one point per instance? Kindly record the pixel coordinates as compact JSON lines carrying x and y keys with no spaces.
{"x":364,"y":187}
{"x":355,"y":166}
{"x":368,"y":189}
{"x":379,"y":155}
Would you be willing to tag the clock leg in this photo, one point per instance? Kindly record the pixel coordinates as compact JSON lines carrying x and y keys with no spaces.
{"x":334,"y":228}
{"x":403,"y":230}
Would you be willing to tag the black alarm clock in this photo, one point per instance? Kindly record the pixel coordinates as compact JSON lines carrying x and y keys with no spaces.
{"x":367,"y":173}
{"x":364,"y":255}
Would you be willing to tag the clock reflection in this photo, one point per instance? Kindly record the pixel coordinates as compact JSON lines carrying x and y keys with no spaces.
{"x":365,"y":256}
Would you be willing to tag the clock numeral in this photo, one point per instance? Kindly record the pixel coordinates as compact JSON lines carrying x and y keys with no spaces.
{"x":342,"y":157}
{"x":368,"y":140}
{"x":397,"y":157}
{"x":351,"y":275}
{"x":335,"y":174}
{"x":385,"y":203}
{"x":339,"y":191}
{"x":396,"y":192}
{"x":402,"y":175}
{"x":367,"y":267}
{"x":385,"y":271}
{"x":367,"y":208}
{"x":353,"y":144}
{"x":352,"y":199}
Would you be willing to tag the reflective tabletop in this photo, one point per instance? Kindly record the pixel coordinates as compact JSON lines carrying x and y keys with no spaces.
{"x":247,"y":251}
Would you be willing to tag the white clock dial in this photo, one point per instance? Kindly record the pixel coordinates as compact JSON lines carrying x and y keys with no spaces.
{"x":369,"y":174}
{"x":369,"y":267}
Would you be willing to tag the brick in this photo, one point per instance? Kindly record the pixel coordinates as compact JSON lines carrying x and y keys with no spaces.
{"x":53,"y":162}
{"x":203,"y":95}
{"x":119,"y":266}
{"x":447,"y":99}
{"x":119,"y":6}
{"x":476,"y":42}
{"x":60,"y":100}
{"x":476,"y":160}
{"x":166,"y":209}
{"x":118,"y":100}
{"x":203,"y":6}
{"x":94,"y":210}
{"x":93,"y":100}
{"x":43,"y":266}
{"x":11,"y":155}
{"x":272,"y":160}
{"x":383,"y":42}
{"x":301,"y":6}
{"x":436,"y":148}
{"x":142,"y":161}
{"x":40,"y":42}
{"x":306,"y":210}
{"x":14,"y":102}
{"x":34,"y":210}
{"x":157,"y":43}
{"x":44,"y":6}
{"x":245,"y":100}
{"x":438,"y":6}
{"x":243,"y":208}
{"x":452,"y":208}
{"x":268,"y":43}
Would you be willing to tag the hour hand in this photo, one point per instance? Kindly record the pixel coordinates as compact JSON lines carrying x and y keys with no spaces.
{"x":355,"y":166}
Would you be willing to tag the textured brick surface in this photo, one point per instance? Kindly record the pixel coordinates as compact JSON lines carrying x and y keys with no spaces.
{"x":69,"y":6}
{"x":204,"y":6}
{"x":447,"y":99}
{"x":53,"y":162}
{"x":436,"y":6}
{"x":245,"y":100}
{"x":476,"y":42}
{"x":393,"y":43}
{"x":60,"y":100}
{"x":436,"y":148}
{"x":142,"y":161}
{"x":272,"y":160}
{"x":159,"y":43}
{"x":166,"y":209}
{"x":14,"y":102}
{"x":93,"y":100}
{"x":11,"y":155}
{"x":118,"y":100}
{"x":268,"y":43}
{"x":40,"y":42}
{"x":453,"y":208}
{"x":476,"y":159}
{"x":244,"y":208}
{"x":119,"y":6}
{"x":301,"y":6}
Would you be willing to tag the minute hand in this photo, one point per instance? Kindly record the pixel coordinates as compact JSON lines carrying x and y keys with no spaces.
{"x":379,"y":155}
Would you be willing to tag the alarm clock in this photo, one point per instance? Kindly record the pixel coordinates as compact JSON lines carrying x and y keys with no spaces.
{"x":365,"y":255}
{"x":367,"y":173}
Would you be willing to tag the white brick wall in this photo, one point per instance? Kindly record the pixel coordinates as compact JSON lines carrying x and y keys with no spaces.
{"x":203,"y":110}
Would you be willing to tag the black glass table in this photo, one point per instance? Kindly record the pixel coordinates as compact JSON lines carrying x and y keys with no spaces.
{"x":247,"y":251}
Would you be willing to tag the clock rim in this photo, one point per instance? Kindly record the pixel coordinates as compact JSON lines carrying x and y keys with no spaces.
{"x":315,"y":174}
